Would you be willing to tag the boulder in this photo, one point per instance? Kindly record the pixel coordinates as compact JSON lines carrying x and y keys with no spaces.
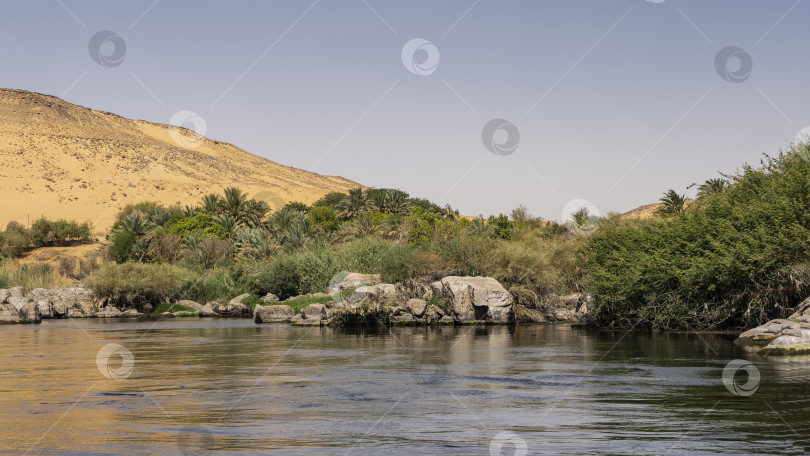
{"x":273,"y":314}
{"x":270,"y":297}
{"x":346,"y":281}
{"x":417,"y":307}
{"x":109,"y":312}
{"x":232,"y":309}
{"x":191,"y":304}
{"x":4,"y":295}
{"x":314,"y":311}
{"x":45,"y":308}
{"x":16,"y":292}
{"x":433,"y":314}
{"x":477,"y":298}
{"x":447,"y":320}
{"x":29,"y":312}
{"x":381,"y":293}
{"x":7,"y":316}
{"x":207,"y":311}
{"x":238,"y":299}
{"x":17,"y":303}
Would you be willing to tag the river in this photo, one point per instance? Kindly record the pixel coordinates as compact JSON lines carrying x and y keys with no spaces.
{"x":217,"y":387}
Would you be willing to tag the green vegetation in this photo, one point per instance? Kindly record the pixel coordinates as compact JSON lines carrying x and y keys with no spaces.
{"x":17,"y":239}
{"x":31,"y":276}
{"x":737,"y":256}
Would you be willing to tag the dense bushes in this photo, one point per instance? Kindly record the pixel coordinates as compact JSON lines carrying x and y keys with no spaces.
{"x":138,"y":285}
{"x":17,"y":239}
{"x":735,"y":258}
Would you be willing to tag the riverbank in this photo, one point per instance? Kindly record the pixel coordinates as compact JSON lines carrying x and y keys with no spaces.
{"x":352,"y":300}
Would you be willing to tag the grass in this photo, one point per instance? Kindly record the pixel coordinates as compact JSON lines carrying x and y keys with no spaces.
{"x":173,"y":308}
{"x":439,"y":302}
{"x":299,"y":304}
{"x":31,"y":276}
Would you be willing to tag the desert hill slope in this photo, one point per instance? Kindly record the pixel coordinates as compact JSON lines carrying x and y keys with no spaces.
{"x":67,"y":161}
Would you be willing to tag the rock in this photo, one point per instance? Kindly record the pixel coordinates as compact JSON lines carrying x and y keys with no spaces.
{"x":45,"y":308}
{"x":477,"y":298}
{"x":273,"y":314}
{"x":270,"y":297}
{"x":29,"y":312}
{"x":238,"y":300}
{"x":381,"y":293}
{"x":207,"y":311}
{"x":232,"y":309}
{"x":167,"y":315}
{"x":404,"y":318}
{"x":346,"y":281}
{"x":17,"y":303}
{"x":417,"y":307}
{"x":79,"y":313}
{"x":191,"y":304}
{"x":447,"y":320}
{"x":433,"y":314}
{"x":16,"y":292}
{"x":4,"y":295}
{"x":109,"y":312}
{"x":7,"y":317}
{"x":314,"y":311}
{"x":183,"y":314}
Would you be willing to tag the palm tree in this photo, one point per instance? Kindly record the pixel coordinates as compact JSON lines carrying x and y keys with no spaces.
{"x":211,"y":204}
{"x":354,"y":204}
{"x":711,"y":187}
{"x":671,"y":203}
{"x":234,"y":202}
{"x":396,"y":202}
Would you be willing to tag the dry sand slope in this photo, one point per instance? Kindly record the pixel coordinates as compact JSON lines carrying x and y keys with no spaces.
{"x":67,"y":161}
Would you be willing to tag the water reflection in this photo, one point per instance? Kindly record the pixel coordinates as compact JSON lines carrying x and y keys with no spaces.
{"x":232,"y":387}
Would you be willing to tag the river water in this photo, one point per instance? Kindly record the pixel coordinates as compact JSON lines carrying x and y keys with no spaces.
{"x":216,"y":387}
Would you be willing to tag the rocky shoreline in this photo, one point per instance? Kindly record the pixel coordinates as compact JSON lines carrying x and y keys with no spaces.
{"x":354,"y":299}
{"x":790,"y":336}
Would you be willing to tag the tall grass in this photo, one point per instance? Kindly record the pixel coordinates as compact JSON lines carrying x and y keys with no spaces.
{"x":31,"y":276}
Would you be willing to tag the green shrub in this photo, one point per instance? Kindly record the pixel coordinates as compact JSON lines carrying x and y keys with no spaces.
{"x":139,"y":285}
{"x":213,"y":284}
{"x":200,"y":225}
{"x":730,"y":260}
{"x":252,"y":301}
{"x":324,"y":217}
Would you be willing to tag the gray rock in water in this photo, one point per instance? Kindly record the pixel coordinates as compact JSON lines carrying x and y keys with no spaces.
{"x":29,"y":313}
{"x":477,"y":298}
{"x":4,"y":295}
{"x":232,"y":309}
{"x":7,"y":317}
{"x":270,"y":297}
{"x":273,"y":314}
{"x":207,"y":311}
{"x":238,"y":299}
{"x":314,"y":312}
{"x":109,"y":312}
{"x":417,"y":307}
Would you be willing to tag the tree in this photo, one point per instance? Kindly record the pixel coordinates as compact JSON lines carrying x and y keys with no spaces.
{"x":671,"y":203}
{"x":354,"y":204}
{"x":325,"y":217}
{"x":711,"y":187}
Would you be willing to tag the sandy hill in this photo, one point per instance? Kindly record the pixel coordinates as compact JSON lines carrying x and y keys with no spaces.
{"x":67,"y":161}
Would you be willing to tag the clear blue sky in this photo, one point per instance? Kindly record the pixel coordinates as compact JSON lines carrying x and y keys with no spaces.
{"x":615,"y":100}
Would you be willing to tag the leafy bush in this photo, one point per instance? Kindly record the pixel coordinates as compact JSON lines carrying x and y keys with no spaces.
{"x":138,"y":285}
{"x":252,"y":301}
{"x":201,"y":225}
{"x":731,"y":259}
{"x":324,"y":217}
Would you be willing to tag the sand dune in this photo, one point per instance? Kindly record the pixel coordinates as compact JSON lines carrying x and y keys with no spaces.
{"x":67,"y":161}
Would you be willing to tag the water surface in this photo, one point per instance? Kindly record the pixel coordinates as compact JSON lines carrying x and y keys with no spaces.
{"x":216,"y":387}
